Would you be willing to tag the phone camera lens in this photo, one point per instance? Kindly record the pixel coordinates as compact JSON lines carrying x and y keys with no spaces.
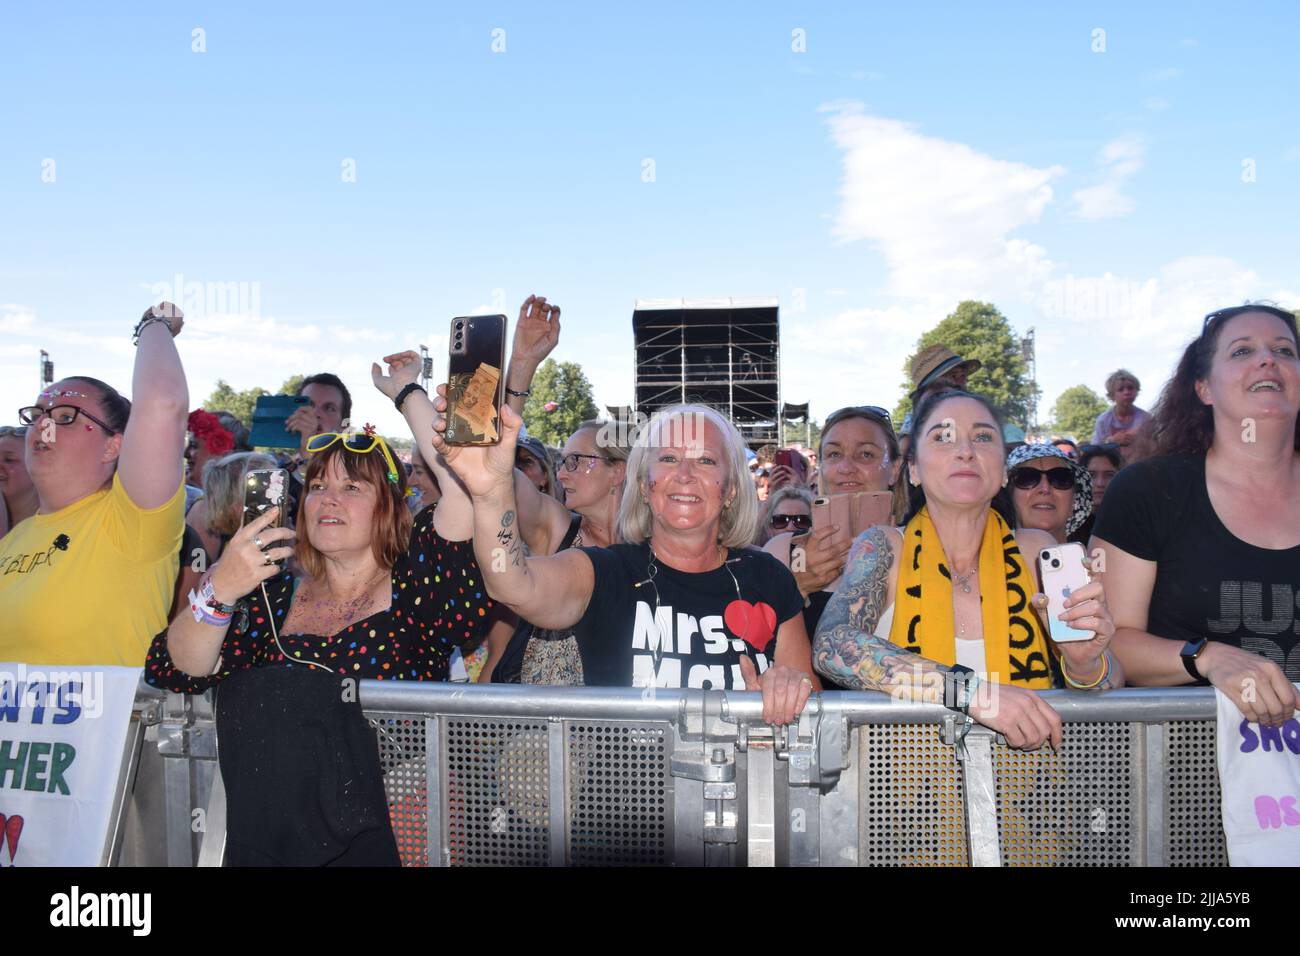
{"x":460,"y":325}
{"x":1056,"y":563}
{"x":1045,"y":555}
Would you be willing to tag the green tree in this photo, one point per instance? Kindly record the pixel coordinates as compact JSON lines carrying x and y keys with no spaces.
{"x":240,"y":404}
{"x":564,"y":384}
{"x":977,"y":330}
{"x":1075,"y":413}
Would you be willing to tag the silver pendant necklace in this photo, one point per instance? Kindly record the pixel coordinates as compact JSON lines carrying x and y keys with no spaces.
{"x":963,"y":581}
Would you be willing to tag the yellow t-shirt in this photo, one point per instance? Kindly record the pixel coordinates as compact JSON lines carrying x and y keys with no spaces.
{"x":90,"y":583}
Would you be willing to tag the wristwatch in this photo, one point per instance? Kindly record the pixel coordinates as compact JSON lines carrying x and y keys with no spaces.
{"x":1190,"y":652}
{"x":957,"y":686}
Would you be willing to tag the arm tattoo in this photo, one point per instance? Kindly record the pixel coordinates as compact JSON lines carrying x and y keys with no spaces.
{"x":512,"y":544}
{"x":846,"y":648}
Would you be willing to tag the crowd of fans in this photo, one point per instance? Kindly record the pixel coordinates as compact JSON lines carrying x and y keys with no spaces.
{"x":673,"y":557}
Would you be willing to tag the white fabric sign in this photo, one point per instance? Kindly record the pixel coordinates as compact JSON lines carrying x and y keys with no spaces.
{"x":62,"y":729}
{"x":1259,"y":771}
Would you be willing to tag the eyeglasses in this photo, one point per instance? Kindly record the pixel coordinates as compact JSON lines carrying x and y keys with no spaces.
{"x":18,"y":431}
{"x":60,"y":415}
{"x":799,"y":522}
{"x":361,"y":443}
{"x":1027,"y":479}
{"x":1237,"y":310}
{"x":570,"y":461}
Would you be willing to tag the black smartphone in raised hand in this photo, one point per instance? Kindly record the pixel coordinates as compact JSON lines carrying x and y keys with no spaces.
{"x":475,"y":379}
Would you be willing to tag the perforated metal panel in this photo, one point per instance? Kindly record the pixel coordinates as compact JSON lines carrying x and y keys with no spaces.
{"x":402,"y":754}
{"x":1194,"y":809}
{"x":495,"y":773}
{"x":620,"y":794}
{"x":910,"y":793}
{"x":1071,"y":808}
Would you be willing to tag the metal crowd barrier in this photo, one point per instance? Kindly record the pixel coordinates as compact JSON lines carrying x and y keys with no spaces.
{"x":538,"y":776}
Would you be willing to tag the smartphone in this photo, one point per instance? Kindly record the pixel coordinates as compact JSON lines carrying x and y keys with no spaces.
{"x":266,"y":488}
{"x":854,"y":514}
{"x":269,"y":415}
{"x":1062,"y":572}
{"x":792,"y":461}
{"x":475,"y":380}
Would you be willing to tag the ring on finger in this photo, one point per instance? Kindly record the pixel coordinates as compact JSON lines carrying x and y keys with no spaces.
{"x":258,"y":542}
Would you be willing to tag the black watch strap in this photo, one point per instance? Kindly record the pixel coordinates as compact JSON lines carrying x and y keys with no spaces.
{"x":1190,"y":652}
{"x":955,"y":695}
{"x":410,"y":387}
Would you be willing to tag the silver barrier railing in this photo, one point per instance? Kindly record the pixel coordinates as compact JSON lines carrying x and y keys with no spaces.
{"x":500,"y":775}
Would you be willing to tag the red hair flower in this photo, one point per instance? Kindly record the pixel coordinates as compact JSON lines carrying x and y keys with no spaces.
{"x":207,"y":428}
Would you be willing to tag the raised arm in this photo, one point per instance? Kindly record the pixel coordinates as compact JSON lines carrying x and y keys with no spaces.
{"x":551,"y":592}
{"x":1256,"y":685}
{"x":151,"y":465}
{"x":536,"y":334}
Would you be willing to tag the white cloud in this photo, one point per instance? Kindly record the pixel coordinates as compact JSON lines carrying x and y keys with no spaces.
{"x":944,"y":218}
{"x":16,"y":319}
{"x":939,"y":212}
{"x":1119,"y":160}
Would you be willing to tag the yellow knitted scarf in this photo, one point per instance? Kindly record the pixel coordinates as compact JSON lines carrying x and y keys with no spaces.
{"x":1015,"y":648}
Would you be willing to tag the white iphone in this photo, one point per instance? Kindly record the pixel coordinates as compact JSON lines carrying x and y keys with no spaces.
{"x":1062,"y":572}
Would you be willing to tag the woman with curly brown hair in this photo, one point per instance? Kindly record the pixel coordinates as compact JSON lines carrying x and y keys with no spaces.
{"x":1202,"y":542}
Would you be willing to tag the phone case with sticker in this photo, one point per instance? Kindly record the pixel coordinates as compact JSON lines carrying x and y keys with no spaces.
{"x":475,"y":382}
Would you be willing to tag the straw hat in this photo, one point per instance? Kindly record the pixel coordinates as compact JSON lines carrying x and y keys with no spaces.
{"x":933,"y":362}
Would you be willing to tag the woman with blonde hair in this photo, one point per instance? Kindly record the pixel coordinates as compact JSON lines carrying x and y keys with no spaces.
{"x":219,"y":513}
{"x":684,"y":601}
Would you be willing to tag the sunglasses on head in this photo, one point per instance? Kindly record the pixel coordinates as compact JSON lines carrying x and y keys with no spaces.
{"x":874,"y":411}
{"x":1027,"y":479}
{"x":361,"y":443}
{"x":1236,"y":310}
{"x":18,"y":431}
{"x":798,"y":522}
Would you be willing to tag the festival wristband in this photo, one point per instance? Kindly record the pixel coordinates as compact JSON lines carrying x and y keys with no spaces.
{"x":203,"y":614}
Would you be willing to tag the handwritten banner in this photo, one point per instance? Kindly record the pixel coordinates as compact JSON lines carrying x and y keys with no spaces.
{"x":62,"y":730}
{"x":1259,"y":770}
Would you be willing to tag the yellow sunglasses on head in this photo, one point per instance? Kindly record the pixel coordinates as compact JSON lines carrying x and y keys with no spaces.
{"x":359,"y":442}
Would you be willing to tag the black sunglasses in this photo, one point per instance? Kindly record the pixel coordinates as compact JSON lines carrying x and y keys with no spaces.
{"x":60,"y":415}
{"x":1027,"y":479}
{"x":871,"y":411}
{"x":1236,"y":310}
{"x":781,"y":522}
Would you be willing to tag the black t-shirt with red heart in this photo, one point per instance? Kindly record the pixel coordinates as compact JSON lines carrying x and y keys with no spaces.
{"x":704,"y":623}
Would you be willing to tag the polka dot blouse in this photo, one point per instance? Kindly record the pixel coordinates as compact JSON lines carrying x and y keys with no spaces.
{"x":438,"y":604}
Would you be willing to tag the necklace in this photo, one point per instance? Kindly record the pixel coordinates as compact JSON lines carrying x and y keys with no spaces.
{"x":963,"y":580}
{"x":652,"y":569}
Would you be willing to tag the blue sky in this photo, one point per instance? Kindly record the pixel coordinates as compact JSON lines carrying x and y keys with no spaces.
{"x":906,"y":158}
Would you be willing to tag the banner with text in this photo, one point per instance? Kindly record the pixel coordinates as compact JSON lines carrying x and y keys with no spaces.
{"x":1259,"y":770}
{"x":62,"y":729}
